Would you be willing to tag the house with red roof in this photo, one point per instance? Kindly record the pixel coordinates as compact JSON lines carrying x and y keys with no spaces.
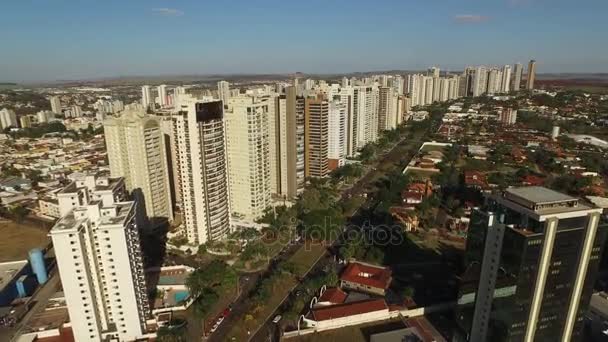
{"x":341,"y":315}
{"x":475,"y":179}
{"x":332,"y":296}
{"x":363,"y":277}
{"x":532,"y":180}
{"x":416,"y":192}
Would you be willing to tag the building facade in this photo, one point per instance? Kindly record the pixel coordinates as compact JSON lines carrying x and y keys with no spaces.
{"x":98,"y":253}
{"x":137,"y":151}
{"x":198,"y":129}
{"x":247,"y":140}
{"x":531,"y":260}
{"x":316,"y":136}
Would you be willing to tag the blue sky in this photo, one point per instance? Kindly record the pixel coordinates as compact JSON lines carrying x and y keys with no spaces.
{"x":76,"y":39}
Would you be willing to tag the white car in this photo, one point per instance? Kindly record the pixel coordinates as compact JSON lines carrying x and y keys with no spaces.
{"x":277,"y":319}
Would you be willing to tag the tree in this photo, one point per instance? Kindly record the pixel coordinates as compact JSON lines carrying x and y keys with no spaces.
{"x":204,"y":302}
{"x":408,"y":291}
{"x":368,"y":153}
{"x":216,"y":275}
{"x":375,"y":255}
{"x":168,"y":334}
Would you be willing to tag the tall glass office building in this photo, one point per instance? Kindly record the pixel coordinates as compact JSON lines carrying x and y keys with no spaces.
{"x":531,"y":259}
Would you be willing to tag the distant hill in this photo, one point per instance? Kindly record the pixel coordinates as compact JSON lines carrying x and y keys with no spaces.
{"x":7,"y":85}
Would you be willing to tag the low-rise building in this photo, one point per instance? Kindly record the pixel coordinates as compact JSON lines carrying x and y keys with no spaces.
{"x":359,"y":276}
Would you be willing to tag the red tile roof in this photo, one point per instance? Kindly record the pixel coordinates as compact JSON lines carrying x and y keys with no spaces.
{"x":334,"y":295}
{"x":374,"y":276}
{"x":348,"y":309}
{"x":533,"y":180}
{"x":474,"y":178}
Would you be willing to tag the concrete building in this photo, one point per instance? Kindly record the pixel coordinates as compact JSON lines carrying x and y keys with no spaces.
{"x":96,"y":243}
{"x":480,"y":81}
{"x":287,"y":125}
{"x":336,"y":152}
{"x":147,"y":101}
{"x":507,"y":116}
{"x":531,"y":75}
{"x":25,"y":121}
{"x":8,"y":118}
{"x":494,"y":81}
{"x":531,"y":260}
{"x":198,"y":129}
{"x":55,"y":104}
{"x":429,"y":84}
{"x":162,"y":95}
{"x":386,"y":117}
{"x":136,"y":151}
{"x":223,"y":91}
{"x":316,"y":137}
{"x":505,"y":85}
{"x":45,"y":116}
{"x":247,"y":142}
{"x":519,"y":70}
{"x":365,"y":116}
{"x":434,"y":72}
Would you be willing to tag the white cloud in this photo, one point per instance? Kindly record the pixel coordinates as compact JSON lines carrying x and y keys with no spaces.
{"x":471,"y":18}
{"x":168,"y":12}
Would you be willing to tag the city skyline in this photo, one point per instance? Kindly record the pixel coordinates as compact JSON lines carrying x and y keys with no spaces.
{"x":113,"y":38}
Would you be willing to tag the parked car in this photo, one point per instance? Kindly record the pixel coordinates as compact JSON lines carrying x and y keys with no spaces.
{"x":277,"y":319}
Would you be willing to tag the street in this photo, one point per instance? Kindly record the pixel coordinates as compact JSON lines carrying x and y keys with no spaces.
{"x":270,"y":331}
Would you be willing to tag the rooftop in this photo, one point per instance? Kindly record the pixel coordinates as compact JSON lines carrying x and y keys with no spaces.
{"x":599,"y":304}
{"x":8,"y":271}
{"x":366,"y":274}
{"x":539,"y":195}
{"x":348,"y":309}
{"x":333,"y":295}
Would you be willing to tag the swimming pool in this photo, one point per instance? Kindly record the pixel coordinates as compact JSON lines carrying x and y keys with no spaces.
{"x":181,"y":296}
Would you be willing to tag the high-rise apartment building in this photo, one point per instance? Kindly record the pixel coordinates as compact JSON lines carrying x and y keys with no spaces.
{"x":364,"y":116}
{"x":480,"y":81}
{"x":531,"y":260}
{"x":429,"y":86}
{"x":162,"y":95}
{"x":316,"y":136}
{"x":198,"y":129}
{"x":137,"y":151}
{"x":223,"y":91}
{"x":531,"y":75}
{"x":25,"y":121}
{"x":8,"y":118}
{"x":385,"y":97}
{"x":337,"y":133}
{"x":147,"y":101}
{"x":433,"y":72}
{"x":55,"y":104}
{"x":519,"y":70}
{"x":506,"y":79}
{"x":247,"y":141}
{"x":494,"y":80}
{"x":96,"y":244}
{"x":286,"y":127}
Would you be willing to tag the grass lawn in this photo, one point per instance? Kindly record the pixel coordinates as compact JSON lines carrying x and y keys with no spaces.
{"x":306,"y":256}
{"x":257,"y":313}
{"x":18,"y":239}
